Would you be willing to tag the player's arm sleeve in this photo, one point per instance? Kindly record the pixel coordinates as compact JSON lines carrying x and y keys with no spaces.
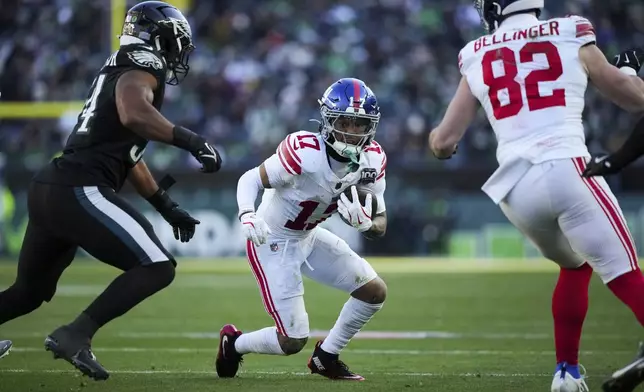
{"x":283,"y":166}
{"x":632,"y":148}
{"x":464,"y":60}
{"x":248,"y":186}
{"x":281,"y":169}
{"x":378,"y":188}
{"x":379,"y":192}
{"x":584,"y":31}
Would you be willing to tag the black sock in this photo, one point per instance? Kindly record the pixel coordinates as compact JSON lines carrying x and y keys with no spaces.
{"x":125,"y":292}
{"x":85,"y":325}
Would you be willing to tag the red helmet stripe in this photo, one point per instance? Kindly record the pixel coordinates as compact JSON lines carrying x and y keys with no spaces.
{"x":356,"y":95}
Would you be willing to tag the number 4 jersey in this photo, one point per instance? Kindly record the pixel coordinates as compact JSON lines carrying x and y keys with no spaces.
{"x":531,"y":83}
{"x":305,"y":187}
{"x":100,"y":150}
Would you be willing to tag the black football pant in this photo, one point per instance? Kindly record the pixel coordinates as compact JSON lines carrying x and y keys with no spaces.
{"x":64,"y":218}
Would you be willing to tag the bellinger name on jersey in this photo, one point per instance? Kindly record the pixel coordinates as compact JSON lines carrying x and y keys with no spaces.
{"x":543,"y":30}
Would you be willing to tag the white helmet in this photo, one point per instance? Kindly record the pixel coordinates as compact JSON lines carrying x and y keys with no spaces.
{"x":493,"y":12}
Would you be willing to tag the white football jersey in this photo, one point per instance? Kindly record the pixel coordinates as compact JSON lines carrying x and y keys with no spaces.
{"x":531,"y":83}
{"x":305,"y":188}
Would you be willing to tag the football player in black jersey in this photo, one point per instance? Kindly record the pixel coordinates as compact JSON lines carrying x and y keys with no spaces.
{"x":73,"y":201}
{"x":630,"y":62}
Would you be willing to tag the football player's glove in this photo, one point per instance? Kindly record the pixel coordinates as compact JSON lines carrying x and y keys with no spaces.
{"x":358,"y":215}
{"x":183,"y":225}
{"x":631,"y":58}
{"x":255,"y":228}
{"x":208,"y":156}
{"x":600,"y":166}
{"x":199,"y":147}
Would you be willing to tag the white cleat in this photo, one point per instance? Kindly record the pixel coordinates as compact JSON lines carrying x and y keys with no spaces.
{"x":565,"y":382}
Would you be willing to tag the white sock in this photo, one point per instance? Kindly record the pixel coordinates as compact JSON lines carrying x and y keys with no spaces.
{"x":354,"y":315}
{"x":263,"y":341}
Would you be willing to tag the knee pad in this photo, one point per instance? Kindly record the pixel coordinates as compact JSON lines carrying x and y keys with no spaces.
{"x":292,"y":346}
{"x":373,"y":292}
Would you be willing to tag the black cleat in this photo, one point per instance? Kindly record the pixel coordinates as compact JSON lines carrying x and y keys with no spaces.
{"x":330,"y":366}
{"x":65,"y":344}
{"x":628,"y":377}
{"x":5,"y":347}
{"x":228,"y":359}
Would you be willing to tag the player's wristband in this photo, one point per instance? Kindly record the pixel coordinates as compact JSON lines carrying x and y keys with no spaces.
{"x":161,"y":201}
{"x":628,"y":71}
{"x":242,"y":213}
{"x":186,"y":139}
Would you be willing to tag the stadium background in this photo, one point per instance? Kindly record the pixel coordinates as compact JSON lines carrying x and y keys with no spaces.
{"x":255,"y":76}
{"x":449,"y":325}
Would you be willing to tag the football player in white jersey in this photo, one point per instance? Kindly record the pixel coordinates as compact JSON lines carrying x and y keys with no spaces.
{"x":530,"y":76}
{"x":303,"y":185}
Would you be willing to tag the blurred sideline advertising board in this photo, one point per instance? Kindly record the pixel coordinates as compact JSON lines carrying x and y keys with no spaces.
{"x":424,"y":220}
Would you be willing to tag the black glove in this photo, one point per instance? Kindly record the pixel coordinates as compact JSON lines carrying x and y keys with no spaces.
{"x":631,"y":58}
{"x":206,"y":154}
{"x":600,"y":166}
{"x":183,"y":225}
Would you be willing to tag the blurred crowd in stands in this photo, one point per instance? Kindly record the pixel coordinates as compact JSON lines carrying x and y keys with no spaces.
{"x":260,"y":66}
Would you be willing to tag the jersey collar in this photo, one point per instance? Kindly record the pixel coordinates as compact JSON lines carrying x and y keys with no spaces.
{"x":129,"y":40}
{"x":519,"y":20}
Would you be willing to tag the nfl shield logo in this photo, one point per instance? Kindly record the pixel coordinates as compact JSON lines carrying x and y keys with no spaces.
{"x":274,"y":247}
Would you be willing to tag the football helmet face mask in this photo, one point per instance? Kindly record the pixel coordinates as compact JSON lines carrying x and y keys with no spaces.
{"x":493,"y":12}
{"x":166,"y":29}
{"x":350,"y":116}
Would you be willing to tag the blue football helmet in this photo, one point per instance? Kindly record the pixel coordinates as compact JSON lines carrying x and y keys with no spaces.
{"x":350,"y":116}
{"x":493,"y":12}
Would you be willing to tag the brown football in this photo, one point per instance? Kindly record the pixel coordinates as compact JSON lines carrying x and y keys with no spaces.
{"x":362,"y":196}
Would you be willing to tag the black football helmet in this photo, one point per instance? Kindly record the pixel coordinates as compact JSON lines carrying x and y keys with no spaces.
{"x":165,"y":28}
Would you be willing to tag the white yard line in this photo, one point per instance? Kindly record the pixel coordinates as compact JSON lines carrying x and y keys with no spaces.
{"x":367,"y":335}
{"x":188,"y":350}
{"x":300,"y":374}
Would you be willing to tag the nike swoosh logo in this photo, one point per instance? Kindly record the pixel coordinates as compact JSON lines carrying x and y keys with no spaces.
{"x":633,"y":365}
{"x":224,"y":341}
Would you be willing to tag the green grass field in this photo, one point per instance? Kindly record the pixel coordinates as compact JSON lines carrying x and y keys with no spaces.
{"x":487,"y":327}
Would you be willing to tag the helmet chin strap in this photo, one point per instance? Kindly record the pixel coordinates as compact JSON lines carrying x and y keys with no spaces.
{"x":347,"y":150}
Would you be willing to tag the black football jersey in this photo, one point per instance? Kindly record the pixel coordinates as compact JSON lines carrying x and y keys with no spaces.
{"x":100,"y":151}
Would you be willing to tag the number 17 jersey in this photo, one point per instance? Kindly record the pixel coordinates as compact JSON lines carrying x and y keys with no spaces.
{"x":531,"y":83}
{"x":305,"y":188}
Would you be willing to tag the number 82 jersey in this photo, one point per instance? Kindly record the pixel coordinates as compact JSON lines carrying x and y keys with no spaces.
{"x":101,"y":150}
{"x":531,"y":83}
